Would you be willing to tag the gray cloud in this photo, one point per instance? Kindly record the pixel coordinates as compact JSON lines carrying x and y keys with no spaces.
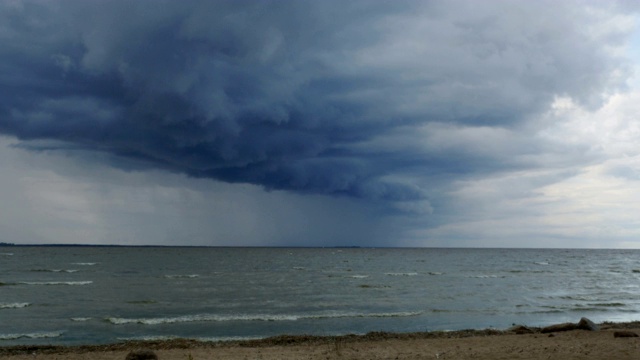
{"x":301,"y":96}
{"x":60,"y":199}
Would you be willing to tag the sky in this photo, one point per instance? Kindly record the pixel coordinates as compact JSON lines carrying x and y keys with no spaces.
{"x":494,"y":123}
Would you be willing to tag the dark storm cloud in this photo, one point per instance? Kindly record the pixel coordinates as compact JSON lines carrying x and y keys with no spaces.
{"x":294,"y":95}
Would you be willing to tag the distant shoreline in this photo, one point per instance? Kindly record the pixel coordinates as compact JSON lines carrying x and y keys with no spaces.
{"x":12,"y":245}
{"x":6,"y":244}
{"x":337,"y":247}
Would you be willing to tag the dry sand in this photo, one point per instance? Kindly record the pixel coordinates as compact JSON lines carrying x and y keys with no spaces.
{"x":482,"y":344}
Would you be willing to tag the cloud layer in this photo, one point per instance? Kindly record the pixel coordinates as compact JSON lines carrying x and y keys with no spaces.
{"x":395,"y":103}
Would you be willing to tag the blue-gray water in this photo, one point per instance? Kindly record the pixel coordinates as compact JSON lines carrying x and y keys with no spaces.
{"x":90,"y":295}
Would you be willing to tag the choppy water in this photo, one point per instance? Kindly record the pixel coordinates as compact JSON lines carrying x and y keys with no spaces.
{"x":89,"y":295}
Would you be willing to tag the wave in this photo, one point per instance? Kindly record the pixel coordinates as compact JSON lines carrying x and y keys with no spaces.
{"x":150,"y":338}
{"x":142,"y":302}
{"x":251,"y":317}
{"x":358,"y":276}
{"x":369,"y":286}
{"x":36,"y":335}
{"x":6,"y":254}
{"x":81,"y":319}
{"x":402,"y":274}
{"x":529,"y":271}
{"x":85,"y":263}
{"x":599,"y":307}
{"x":570,"y":297}
{"x":14,"y":305}
{"x":70,"y":283}
{"x":191,"y":276}
{"x":435,"y":273}
{"x":55,"y":270}
{"x":613,"y":304}
{"x":551,"y":311}
{"x":199,"y":339}
{"x":229,"y":338}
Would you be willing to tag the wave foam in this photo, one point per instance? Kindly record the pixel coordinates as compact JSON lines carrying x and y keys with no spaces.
{"x":229,"y":338}
{"x":149,"y":338}
{"x":81,"y":319}
{"x":190,"y":276}
{"x":249,"y":317}
{"x":402,"y":274}
{"x":71,"y":283}
{"x":13,"y":305}
{"x":36,"y":335}
{"x":200,"y":339}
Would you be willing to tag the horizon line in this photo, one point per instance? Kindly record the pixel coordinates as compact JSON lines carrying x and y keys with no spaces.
{"x":7,"y":244}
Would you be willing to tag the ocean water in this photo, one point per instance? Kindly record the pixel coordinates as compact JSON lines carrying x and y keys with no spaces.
{"x":95,"y":295}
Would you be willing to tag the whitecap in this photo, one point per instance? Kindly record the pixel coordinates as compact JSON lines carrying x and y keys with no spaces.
{"x":149,"y":338}
{"x":14,"y":305}
{"x":200,"y":339}
{"x":36,"y":335}
{"x":358,"y":276}
{"x":190,"y":276}
{"x":70,"y":283}
{"x":199,"y":317}
{"x":228,"y":338}
{"x":85,"y":263}
{"x":402,"y":274}
{"x":252,"y":317}
{"x":385,"y":315}
{"x":81,"y":319}
{"x":6,"y":254}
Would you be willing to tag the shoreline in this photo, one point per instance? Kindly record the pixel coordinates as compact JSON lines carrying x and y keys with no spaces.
{"x":284,"y":342}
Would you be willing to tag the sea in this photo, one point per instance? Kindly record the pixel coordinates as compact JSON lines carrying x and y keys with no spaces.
{"x":96,"y":295}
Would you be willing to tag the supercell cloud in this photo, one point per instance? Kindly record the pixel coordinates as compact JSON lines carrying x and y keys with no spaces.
{"x":386,"y":101}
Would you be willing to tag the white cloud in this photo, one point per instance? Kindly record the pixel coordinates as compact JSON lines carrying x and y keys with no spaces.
{"x":572,"y":201}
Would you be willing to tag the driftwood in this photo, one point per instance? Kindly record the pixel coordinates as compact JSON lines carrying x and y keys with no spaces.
{"x":624,"y":333}
{"x":141,"y":355}
{"x":583,"y":324}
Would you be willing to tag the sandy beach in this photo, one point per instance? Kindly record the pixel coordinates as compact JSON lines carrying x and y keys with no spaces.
{"x":469,"y":344}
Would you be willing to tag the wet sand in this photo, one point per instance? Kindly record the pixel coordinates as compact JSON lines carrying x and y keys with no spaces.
{"x":466,"y":344}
